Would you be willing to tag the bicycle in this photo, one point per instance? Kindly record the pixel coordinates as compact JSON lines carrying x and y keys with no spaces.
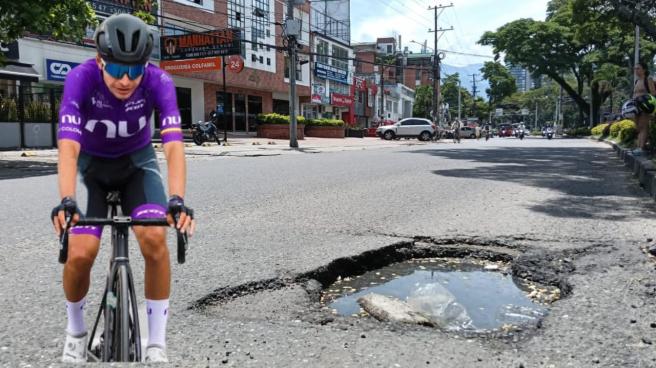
{"x":120,"y":340}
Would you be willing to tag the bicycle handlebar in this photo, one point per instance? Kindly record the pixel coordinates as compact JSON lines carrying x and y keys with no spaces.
{"x":183,"y":241}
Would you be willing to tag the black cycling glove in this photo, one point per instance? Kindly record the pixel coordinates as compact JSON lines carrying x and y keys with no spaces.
{"x":68,"y":205}
{"x":177,"y":206}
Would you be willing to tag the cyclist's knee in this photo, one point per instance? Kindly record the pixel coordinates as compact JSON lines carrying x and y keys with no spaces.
{"x":153,"y":243}
{"x":82,"y":251}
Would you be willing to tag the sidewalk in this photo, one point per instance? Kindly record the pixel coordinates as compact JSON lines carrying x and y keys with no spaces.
{"x":244,"y":145}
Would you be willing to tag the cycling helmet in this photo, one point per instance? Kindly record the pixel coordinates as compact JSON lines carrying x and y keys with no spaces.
{"x":646,"y":103}
{"x":124,"y":39}
{"x":629,"y":110}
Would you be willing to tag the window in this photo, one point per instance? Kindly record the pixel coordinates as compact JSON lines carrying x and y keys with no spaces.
{"x":389,"y":49}
{"x":261,"y":59}
{"x":322,"y":49}
{"x":268,"y":61}
{"x":340,"y":57}
{"x":259,"y":23}
{"x":236,"y":19}
{"x":171,"y":29}
{"x":299,"y":71}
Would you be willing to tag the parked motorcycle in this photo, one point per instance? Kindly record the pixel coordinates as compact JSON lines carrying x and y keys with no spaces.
{"x":549,"y":133}
{"x":205,"y":131}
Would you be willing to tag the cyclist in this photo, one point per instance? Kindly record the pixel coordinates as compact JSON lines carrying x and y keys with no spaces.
{"x":104,"y":135}
{"x":456,"y":131}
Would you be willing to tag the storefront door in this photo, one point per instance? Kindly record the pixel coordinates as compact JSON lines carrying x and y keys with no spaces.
{"x":240,"y":113}
{"x":184,"y":105}
{"x":254,"y":108}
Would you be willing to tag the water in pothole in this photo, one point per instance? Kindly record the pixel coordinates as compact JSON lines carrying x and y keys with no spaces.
{"x":456,"y":295}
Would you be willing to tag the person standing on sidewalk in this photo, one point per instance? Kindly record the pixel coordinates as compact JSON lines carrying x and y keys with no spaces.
{"x":643,"y":85}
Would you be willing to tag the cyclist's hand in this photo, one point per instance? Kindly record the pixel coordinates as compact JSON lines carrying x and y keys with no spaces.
{"x":63,"y":213}
{"x":180,"y":216}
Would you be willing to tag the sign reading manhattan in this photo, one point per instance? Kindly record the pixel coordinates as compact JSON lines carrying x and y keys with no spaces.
{"x":330,"y":72}
{"x":201,"y":45}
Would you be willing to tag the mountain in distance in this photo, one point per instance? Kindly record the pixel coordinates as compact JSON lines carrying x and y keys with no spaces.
{"x":465,"y":73}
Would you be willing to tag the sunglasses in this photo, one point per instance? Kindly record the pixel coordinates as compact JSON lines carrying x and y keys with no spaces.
{"x":119,"y":70}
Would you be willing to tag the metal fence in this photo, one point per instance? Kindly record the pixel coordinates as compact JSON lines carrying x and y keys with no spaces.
{"x":28,"y":118}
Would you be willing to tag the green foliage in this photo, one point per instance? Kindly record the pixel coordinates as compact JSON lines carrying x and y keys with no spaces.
{"x":628,"y":131}
{"x":616,"y":127}
{"x":579,"y":132}
{"x":8,"y":110}
{"x":599,"y":129}
{"x":63,"y":19}
{"x":325,"y":122}
{"x":502,"y":83}
{"x":423,"y":102}
{"x":273,"y":118}
{"x":37,"y":111}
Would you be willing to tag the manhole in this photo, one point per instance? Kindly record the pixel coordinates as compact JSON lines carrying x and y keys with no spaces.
{"x":455,"y":294}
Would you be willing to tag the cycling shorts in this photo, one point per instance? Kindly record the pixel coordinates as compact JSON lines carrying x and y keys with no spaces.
{"x":136,"y":176}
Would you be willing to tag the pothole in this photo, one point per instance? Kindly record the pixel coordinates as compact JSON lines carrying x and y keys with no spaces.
{"x":469,"y":296}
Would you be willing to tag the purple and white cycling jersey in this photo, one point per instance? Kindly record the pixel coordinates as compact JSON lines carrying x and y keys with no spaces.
{"x":108,"y":127}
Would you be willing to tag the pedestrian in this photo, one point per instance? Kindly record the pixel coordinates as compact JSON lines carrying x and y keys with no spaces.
{"x":643,"y":85}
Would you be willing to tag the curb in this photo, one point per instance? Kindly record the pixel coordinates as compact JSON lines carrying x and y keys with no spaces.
{"x":642,"y":168}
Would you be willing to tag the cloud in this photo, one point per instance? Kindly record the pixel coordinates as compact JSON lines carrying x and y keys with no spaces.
{"x":469,"y":18}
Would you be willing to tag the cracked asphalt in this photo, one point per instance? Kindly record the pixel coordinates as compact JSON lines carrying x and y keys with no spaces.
{"x":265,"y":221}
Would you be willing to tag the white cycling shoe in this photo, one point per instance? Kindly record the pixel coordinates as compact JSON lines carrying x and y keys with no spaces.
{"x":75,"y":349}
{"x":156,"y":354}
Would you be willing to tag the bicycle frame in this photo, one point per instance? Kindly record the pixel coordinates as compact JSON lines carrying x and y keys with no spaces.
{"x":128,"y":346}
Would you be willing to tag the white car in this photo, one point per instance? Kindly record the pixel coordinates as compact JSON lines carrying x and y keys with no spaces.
{"x":419,"y":128}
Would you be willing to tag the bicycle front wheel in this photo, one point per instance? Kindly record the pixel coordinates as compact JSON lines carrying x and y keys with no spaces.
{"x":126,"y":344}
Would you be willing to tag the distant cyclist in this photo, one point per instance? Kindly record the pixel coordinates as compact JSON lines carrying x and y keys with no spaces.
{"x":456,"y":131}
{"x":105,"y":135}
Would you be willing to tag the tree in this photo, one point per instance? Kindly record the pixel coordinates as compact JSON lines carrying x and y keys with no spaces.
{"x":450,"y":88}
{"x":423,"y":102}
{"x":574,"y":40}
{"x":63,"y":19}
{"x":642,"y":13}
{"x":502,"y":83}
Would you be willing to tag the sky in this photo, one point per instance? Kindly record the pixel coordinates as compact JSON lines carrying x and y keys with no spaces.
{"x":411,"y":19}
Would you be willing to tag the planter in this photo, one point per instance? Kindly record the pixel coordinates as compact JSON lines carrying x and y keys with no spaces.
{"x":38,"y":135}
{"x":355,"y":133}
{"x":324,"y":131}
{"x":9,"y":135}
{"x":279,"y":131}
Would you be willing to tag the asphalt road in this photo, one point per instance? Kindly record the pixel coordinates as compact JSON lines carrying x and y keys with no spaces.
{"x":264,"y":221}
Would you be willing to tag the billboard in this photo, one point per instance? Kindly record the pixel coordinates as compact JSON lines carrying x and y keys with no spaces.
{"x":330,"y":72}
{"x":201,"y":45}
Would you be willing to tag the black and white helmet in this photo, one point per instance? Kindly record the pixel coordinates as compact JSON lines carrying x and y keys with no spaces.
{"x":629,"y":110}
{"x":124,"y":39}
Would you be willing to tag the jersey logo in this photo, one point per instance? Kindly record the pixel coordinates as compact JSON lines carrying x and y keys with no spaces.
{"x":113,"y":129}
{"x":171,"y":120}
{"x":71,"y":119}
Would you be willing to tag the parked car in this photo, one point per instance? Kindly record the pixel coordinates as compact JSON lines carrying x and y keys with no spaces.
{"x":505,"y":130}
{"x":419,"y":128}
{"x":467,"y":132}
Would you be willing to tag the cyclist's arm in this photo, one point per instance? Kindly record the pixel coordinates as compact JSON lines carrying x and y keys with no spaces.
{"x":69,"y":151}
{"x":177,"y":168}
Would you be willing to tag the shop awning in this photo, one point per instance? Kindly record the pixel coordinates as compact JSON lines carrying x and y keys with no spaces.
{"x":19,"y":71}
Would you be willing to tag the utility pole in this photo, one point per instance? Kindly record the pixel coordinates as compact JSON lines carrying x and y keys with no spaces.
{"x":437,"y":111}
{"x":474,"y":93}
{"x":636,"y":56}
{"x":459,"y":101}
{"x":292,"y":30}
{"x":382,"y":92}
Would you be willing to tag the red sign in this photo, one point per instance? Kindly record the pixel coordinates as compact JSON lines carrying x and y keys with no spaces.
{"x":360,"y":84}
{"x":191,"y":65}
{"x":374,"y":89}
{"x":340,"y":100}
{"x":235,"y":64}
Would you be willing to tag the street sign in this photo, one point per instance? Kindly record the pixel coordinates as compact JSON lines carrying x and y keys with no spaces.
{"x":56,"y":70}
{"x":525,"y":112}
{"x":191,"y":65}
{"x":235,"y":64}
{"x":498,"y":112}
{"x":201,"y":45}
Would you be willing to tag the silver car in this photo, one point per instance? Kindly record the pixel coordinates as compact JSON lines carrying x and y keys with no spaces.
{"x":419,"y":128}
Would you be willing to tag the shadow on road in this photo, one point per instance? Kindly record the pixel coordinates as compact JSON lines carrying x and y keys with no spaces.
{"x":24,"y":169}
{"x":593,"y":183}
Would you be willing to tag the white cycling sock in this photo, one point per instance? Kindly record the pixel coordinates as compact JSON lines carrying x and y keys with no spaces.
{"x":75,"y":313}
{"x":158,"y":313}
